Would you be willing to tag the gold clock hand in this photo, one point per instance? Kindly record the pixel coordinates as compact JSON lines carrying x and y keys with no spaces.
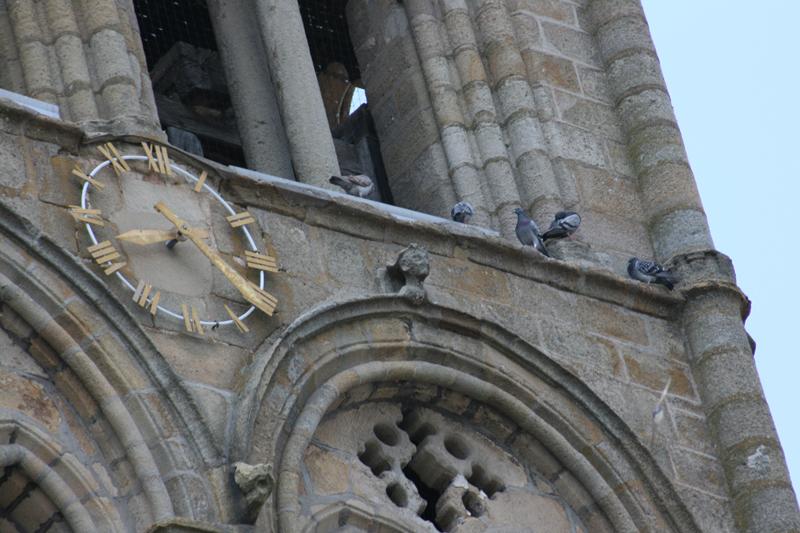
{"x":151,"y":236}
{"x":249,"y":291}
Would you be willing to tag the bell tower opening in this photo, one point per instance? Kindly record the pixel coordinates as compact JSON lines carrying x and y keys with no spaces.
{"x":343,"y":93}
{"x":189,"y":84}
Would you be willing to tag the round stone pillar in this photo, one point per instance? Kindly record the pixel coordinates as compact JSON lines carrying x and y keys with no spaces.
{"x":258,"y":119}
{"x":297,"y":91}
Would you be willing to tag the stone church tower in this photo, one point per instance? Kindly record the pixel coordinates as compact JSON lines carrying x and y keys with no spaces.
{"x":200,"y":334}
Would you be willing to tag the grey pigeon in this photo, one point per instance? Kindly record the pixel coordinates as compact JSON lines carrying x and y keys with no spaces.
{"x":528,"y":232}
{"x":650,"y":272}
{"x":461,"y":212}
{"x":359,"y":185}
{"x":565,"y":224}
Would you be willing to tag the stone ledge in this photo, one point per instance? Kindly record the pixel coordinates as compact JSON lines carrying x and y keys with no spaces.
{"x":317,"y":206}
{"x":16,"y":119}
{"x":186,"y":525}
{"x":313,"y":205}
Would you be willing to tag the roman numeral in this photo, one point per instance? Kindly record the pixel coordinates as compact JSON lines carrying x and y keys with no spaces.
{"x":152,"y":164}
{"x":200,"y":181}
{"x":260,"y":261}
{"x":104,"y":252}
{"x":240,"y":219}
{"x":239,"y":324}
{"x":85,"y":177}
{"x":163,"y":160}
{"x":191,"y":320}
{"x":89,"y":216}
{"x":111,"y":153}
{"x":143,"y":290}
{"x":114,"y":267}
{"x":157,"y":158}
{"x":262,"y":299}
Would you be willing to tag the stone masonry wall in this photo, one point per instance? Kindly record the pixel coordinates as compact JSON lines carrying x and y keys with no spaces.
{"x":114,"y":419}
{"x":621,"y":338}
{"x":501,"y":103}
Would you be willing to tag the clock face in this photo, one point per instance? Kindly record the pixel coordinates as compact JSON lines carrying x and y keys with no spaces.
{"x":163,"y":252}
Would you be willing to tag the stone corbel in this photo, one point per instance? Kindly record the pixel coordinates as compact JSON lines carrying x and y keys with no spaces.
{"x":408,"y":273}
{"x":256,"y":483}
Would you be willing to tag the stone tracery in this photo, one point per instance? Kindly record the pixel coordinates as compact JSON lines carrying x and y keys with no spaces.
{"x":573,"y":453}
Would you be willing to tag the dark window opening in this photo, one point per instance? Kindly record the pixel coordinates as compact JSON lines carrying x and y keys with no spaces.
{"x":328,"y":35}
{"x":346,"y":103}
{"x":188,"y":81}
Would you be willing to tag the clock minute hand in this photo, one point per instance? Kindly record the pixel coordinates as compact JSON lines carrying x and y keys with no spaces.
{"x":249,"y":291}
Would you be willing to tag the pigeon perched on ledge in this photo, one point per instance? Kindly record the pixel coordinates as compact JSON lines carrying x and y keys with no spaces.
{"x":528,"y":232}
{"x":359,"y":185}
{"x":462,"y":212}
{"x":650,"y":272}
{"x":564,"y":225}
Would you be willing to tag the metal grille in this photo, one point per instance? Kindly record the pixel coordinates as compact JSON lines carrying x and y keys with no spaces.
{"x":162,"y":23}
{"x":327,"y":34}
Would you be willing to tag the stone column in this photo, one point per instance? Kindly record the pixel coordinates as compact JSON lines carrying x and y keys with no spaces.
{"x":251,"y":88}
{"x":11,"y":76}
{"x":676,"y":220}
{"x":466,"y":175}
{"x":721,"y":357}
{"x":737,"y":412}
{"x":474,"y":92}
{"x":85,"y":56}
{"x":517,"y":109}
{"x":297,"y":90}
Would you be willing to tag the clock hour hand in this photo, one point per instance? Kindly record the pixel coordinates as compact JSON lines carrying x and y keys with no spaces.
{"x":249,"y":291}
{"x":151,"y":236}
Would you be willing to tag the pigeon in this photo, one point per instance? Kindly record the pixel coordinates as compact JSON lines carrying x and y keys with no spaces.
{"x":650,"y":272}
{"x":359,"y":185}
{"x":563,"y":225}
{"x":461,"y":212}
{"x":528,"y":232}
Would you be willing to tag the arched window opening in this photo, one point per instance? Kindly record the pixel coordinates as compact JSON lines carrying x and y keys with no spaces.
{"x":343,"y":94}
{"x":190,"y":89}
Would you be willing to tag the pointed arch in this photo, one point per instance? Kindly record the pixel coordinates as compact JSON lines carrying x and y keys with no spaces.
{"x":339,"y":347}
{"x":106,"y":366}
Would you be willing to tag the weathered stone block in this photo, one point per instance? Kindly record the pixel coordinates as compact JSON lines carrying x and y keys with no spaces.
{"x":572,"y":43}
{"x":550,"y":69}
{"x":606,"y":193}
{"x":640,"y":69}
{"x":553,"y":9}
{"x":594,"y":83}
{"x":680,"y":232}
{"x":570,"y":142}
{"x":622,"y":34}
{"x":200,"y":359}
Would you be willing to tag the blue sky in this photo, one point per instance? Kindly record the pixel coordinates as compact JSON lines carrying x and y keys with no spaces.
{"x":732,"y":70}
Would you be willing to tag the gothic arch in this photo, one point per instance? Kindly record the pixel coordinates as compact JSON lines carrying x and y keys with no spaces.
{"x":341,"y":347}
{"x":115,"y":383}
{"x":65,"y":483}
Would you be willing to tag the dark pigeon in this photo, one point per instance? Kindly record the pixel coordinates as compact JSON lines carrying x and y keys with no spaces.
{"x":565,"y":224}
{"x":650,"y":272}
{"x":359,"y":185}
{"x":528,"y":232}
{"x":462,"y":212}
